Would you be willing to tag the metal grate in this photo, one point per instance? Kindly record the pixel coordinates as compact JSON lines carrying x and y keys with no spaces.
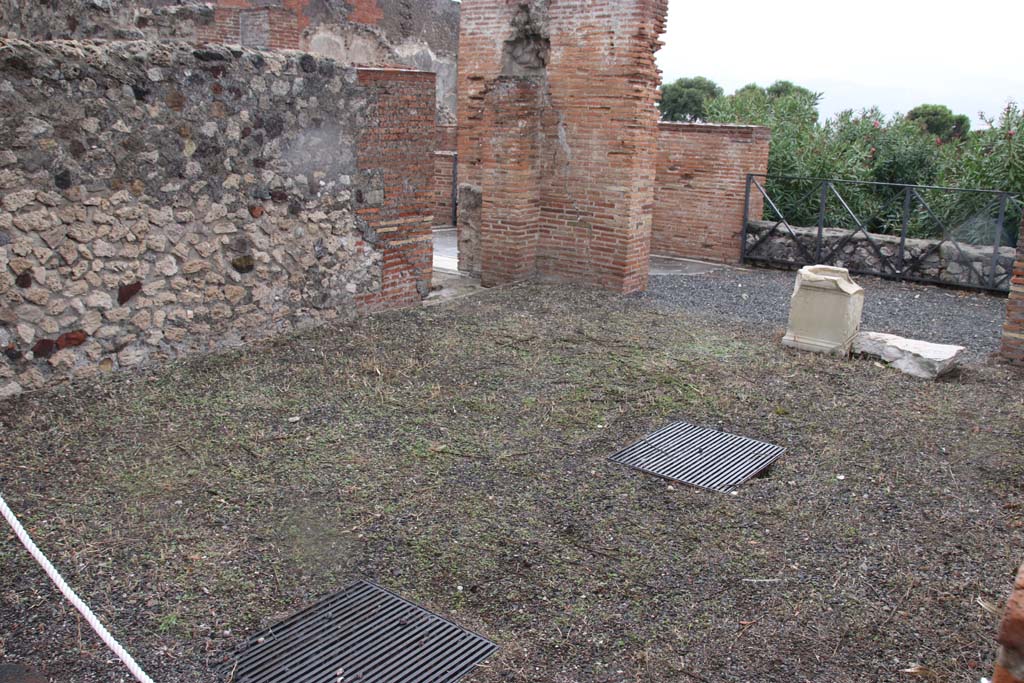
{"x":701,"y":457}
{"x":361,"y":635}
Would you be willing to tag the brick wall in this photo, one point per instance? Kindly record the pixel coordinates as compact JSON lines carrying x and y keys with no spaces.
{"x":1013,"y":336}
{"x":253,"y":24}
{"x":510,"y":160}
{"x":445,"y":167}
{"x":396,"y":181}
{"x":365,"y":12}
{"x":592,"y":63}
{"x":447,"y":139}
{"x":701,"y":188}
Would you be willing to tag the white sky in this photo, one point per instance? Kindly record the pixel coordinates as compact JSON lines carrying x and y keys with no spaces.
{"x":897,"y":54}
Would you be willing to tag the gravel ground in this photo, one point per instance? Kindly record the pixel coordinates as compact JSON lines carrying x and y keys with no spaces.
{"x":934,"y":314}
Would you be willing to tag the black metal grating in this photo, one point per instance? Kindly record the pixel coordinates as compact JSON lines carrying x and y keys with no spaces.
{"x":364,"y":634}
{"x":698,"y":456}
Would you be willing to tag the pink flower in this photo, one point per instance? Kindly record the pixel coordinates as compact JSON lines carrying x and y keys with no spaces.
{"x":1012,"y":133}
{"x":878,"y":124}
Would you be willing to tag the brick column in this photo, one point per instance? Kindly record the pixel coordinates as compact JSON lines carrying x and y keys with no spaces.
{"x":1010,"y":665}
{"x":394,"y":193}
{"x":602,"y":128}
{"x":1013,"y":334}
{"x":510,"y":182}
{"x":446,"y":161}
{"x":593,"y":64}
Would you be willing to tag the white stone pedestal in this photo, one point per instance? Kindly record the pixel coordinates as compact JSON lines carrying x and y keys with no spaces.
{"x":825,"y":312}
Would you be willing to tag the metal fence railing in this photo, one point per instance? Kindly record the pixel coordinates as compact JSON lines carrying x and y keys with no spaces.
{"x":950,"y":236}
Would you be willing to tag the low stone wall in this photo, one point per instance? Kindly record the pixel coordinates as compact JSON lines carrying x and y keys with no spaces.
{"x":158,"y":199}
{"x":968,"y":266}
{"x":701,"y":188}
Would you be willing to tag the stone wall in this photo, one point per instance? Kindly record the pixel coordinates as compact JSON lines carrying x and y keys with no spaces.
{"x":158,"y":199}
{"x":701,"y":188}
{"x":958,"y":265}
{"x":161,"y":20}
{"x":1013,"y":336}
{"x":418,"y":34}
{"x":586,"y":141}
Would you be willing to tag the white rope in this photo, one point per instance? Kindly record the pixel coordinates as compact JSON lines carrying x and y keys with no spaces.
{"x":102,"y":632}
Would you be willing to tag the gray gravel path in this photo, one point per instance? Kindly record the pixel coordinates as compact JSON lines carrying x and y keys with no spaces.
{"x":761,"y":297}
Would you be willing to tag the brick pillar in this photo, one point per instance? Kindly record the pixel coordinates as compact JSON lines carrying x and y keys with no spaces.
{"x":602,"y":132}
{"x":593,"y":63}
{"x":510,"y":183}
{"x":1010,"y":665}
{"x":1013,"y":334}
{"x":394,"y":193}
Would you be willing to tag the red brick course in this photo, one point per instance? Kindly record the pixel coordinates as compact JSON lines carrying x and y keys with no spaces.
{"x":594,"y":126}
{"x":395,"y":156}
{"x":365,"y":12}
{"x":447,"y":138}
{"x":1010,"y":665}
{"x":1013,"y":333}
{"x":278,"y":28}
{"x":701,"y":188}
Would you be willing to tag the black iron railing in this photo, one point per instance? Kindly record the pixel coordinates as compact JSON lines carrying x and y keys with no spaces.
{"x":951,"y":236}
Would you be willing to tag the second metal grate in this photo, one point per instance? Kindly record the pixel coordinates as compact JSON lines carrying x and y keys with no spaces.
{"x":364,"y":634}
{"x":698,"y":456}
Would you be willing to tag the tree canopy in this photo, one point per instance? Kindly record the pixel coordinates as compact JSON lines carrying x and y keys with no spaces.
{"x":687,"y":99}
{"x":940,"y":121}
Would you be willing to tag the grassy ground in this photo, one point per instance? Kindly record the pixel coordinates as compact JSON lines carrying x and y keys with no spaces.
{"x":458,"y":455}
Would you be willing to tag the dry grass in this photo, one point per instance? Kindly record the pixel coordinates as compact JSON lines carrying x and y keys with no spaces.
{"x":458,"y":455}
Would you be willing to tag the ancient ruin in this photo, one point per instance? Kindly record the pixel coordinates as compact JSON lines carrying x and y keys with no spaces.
{"x":181,"y":177}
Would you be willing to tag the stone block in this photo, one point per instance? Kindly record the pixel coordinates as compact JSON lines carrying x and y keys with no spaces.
{"x":916,"y":358}
{"x":825,"y":311}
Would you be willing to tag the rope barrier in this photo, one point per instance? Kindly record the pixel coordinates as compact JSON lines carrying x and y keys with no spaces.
{"x":82,"y":608}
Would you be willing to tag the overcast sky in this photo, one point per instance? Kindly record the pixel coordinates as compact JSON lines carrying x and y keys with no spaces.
{"x":896,"y":54}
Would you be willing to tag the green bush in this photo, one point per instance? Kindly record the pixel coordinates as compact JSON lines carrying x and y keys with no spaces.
{"x":925,"y":148}
{"x":940,"y":121}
